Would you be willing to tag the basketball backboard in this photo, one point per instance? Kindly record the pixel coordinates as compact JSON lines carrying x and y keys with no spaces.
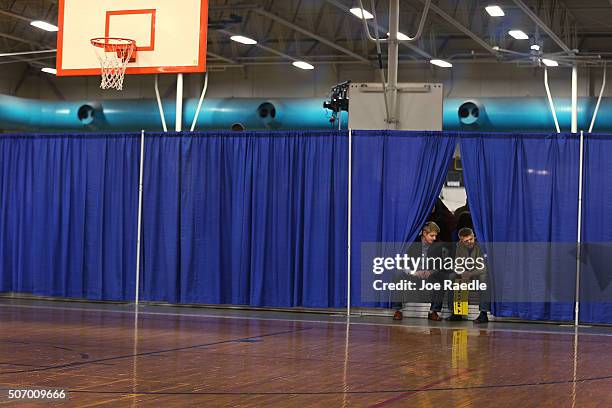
{"x":419,"y":107}
{"x":170,"y":34}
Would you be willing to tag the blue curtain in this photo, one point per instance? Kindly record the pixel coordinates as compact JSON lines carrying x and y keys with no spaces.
{"x":68,"y":208}
{"x":524,"y":188}
{"x":596,"y":275}
{"x":397,"y":176}
{"x":252,"y":218}
{"x":259,"y":218}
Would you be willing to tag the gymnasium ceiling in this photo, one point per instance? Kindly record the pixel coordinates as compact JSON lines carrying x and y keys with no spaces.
{"x":324,"y":32}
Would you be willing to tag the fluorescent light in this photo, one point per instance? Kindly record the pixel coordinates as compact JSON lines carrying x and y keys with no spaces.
{"x":243,"y":40}
{"x":496,"y":47}
{"x":400,"y":36}
{"x":357,"y":12}
{"x":441,"y":63}
{"x":535,"y":47}
{"x":518,"y":34}
{"x":49,"y":70}
{"x":44,"y":25}
{"x":550,"y":63}
{"x":302,"y":65}
{"x":495,"y":11}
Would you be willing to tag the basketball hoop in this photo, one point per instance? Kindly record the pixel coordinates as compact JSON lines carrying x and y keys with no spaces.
{"x":113,"y":55}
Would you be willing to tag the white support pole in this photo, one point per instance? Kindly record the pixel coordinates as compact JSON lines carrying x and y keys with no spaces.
{"x":393,"y":50}
{"x":349,"y":208}
{"x":160,"y":106}
{"x":179,"y":103}
{"x":550,"y":101}
{"x":139,"y":233}
{"x":579,"y":237}
{"x":575,"y":382}
{"x":197,"y":114}
{"x":381,"y":68}
{"x":574,"y":98}
{"x":601,"y":91}
{"x":346,"y":385}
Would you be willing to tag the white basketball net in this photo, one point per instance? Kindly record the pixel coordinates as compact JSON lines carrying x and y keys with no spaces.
{"x":113,"y":55}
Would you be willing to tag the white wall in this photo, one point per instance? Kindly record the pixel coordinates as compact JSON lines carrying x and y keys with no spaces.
{"x":464,"y":80}
{"x":453,"y":197}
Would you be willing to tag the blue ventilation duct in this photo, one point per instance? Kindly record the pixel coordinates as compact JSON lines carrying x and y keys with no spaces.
{"x":482,"y":114}
{"x":523,"y":114}
{"x":136,"y":114}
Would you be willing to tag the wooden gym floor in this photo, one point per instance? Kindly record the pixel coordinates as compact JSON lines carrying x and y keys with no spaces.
{"x":187,"y":357}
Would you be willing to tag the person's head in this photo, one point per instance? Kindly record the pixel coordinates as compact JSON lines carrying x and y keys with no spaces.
{"x":430,"y":232}
{"x":237,"y":127}
{"x":466,"y":237}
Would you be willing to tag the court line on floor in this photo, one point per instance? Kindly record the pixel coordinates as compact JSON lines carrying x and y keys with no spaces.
{"x":149,"y":353}
{"x":412,"y":326}
{"x":421,"y":389}
{"x":366,"y":392}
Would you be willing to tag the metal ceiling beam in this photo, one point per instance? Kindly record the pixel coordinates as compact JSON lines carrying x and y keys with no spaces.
{"x":469,"y":61}
{"x":263,"y":47}
{"x":461,"y":27}
{"x":22,"y":40}
{"x":310,"y":34}
{"x":47,"y":78}
{"x":414,"y":48}
{"x":30,"y":61}
{"x":22,"y":78}
{"x":221,"y":57}
{"x":17,"y":16}
{"x":13,"y":54}
{"x":542,"y":25}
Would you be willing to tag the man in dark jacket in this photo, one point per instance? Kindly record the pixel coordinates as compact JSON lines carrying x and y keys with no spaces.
{"x":426,"y":247}
{"x":467,"y":247}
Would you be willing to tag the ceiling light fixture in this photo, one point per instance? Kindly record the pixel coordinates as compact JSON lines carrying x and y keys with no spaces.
{"x":495,"y":11}
{"x":356,"y":11}
{"x":441,"y":63}
{"x":518,"y":34}
{"x":44,"y":25}
{"x":302,"y":65}
{"x":243,"y":40}
{"x":400,"y":36}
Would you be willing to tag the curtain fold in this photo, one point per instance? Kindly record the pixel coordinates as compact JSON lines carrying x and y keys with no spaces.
{"x":596,"y":274}
{"x":523,"y":188}
{"x":396,"y":178}
{"x":68,"y":208}
{"x":254,"y":218}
